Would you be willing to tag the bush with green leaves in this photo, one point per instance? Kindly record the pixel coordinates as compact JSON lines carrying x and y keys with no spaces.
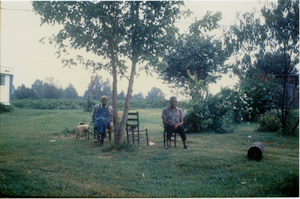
{"x":256,"y":102}
{"x":292,"y":123}
{"x":64,"y":104}
{"x":48,"y":104}
{"x":289,"y":184}
{"x":222,"y":112}
{"x":197,"y":117}
{"x":268,"y":122}
{"x":6,"y":108}
{"x":233,"y":99}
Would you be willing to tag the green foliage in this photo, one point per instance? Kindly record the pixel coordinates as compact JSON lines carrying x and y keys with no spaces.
{"x":221,"y":110}
{"x":89,"y":105}
{"x":121,"y":96}
{"x":145,"y":104}
{"x":49,"y":90}
{"x":155,"y":94}
{"x":196,"y":52}
{"x":6,"y":108}
{"x":256,"y":102}
{"x":49,"y":104}
{"x":24,"y":93}
{"x":289,"y":184}
{"x":292,"y":124}
{"x":63,"y":104}
{"x":218,"y":113}
{"x":138,"y":96}
{"x":197,"y":117}
{"x":101,"y":88}
{"x":70,"y":92}
{"x":268,"y":44}
{"x":268,"y":122}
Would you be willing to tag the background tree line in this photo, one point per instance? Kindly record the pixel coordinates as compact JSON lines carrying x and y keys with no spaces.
{"x":51,"y":90}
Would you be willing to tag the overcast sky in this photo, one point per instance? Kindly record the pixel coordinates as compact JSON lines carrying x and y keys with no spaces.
{"x":31,"y":60}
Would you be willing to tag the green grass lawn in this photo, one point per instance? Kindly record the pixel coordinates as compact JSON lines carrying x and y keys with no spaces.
{"x":32,"y":164}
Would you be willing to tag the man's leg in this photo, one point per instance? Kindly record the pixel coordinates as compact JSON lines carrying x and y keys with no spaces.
{"x":102,"y":139}
{"x":169,"y":128}
{"x":182,"y":134}
{"x":97,"y":137}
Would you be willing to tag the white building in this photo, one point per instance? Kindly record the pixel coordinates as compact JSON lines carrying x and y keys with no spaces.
{"x":6,"y":84}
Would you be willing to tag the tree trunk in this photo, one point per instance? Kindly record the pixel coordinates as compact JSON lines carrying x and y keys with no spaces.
{"x":115,"y":106}
{"x":127,"y":102}
{"x":115,"y":93}
{"x":134,"y":59}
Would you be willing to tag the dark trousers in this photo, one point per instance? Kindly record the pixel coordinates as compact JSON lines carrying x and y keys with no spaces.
{"x":170,"y":128}
{"x":101,"y":134}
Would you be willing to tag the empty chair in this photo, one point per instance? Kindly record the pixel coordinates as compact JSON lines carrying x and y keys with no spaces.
{"x":133,"y":128}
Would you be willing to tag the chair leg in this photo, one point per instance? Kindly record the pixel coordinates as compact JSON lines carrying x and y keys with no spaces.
{"x":132,"y":137}
{"x":164,"y":138}
{"x":175,"y":139}
{"x":127,"y":138}
{"x":109,"y":135}
{"x":147,"y":137}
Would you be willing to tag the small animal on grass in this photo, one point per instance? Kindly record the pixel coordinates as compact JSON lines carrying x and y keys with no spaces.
{"x":82,"y":127}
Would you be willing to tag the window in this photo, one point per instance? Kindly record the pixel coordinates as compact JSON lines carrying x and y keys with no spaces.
{"x":2,"y":80}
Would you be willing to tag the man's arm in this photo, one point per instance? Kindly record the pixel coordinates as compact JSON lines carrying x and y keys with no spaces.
{"x":111,"y":117}
{"x":166,"y":122}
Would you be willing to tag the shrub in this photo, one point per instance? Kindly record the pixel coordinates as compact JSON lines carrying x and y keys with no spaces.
{"x":289,"y":185}
{"x":64,"y":104}
{"x":197,"y":118}
{"x":49,"y":104}
{"x":268,"y":122}
{"x":256,"y":100}
{"x":6,"y":108}
{"x":221,"y":109}
{"x":292,"y":124}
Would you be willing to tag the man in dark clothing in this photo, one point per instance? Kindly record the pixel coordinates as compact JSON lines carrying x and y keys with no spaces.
{"x":173,"y":121}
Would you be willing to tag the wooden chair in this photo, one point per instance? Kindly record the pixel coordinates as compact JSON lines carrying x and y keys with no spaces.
{"x":174,"y":135}
{"x":108,"y":132}
{"x":133,"y":126}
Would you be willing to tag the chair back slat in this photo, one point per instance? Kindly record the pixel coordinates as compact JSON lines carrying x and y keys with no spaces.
{"x":133,"y":119}
{"x":133,"y":113}
{"x":133,"y":126}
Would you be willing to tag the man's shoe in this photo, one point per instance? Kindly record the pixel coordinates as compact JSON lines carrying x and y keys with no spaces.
{"x":101,"y":142}
{"x":96,"y":141}
{"x":167,"y":147}
{"x":186,"y":147}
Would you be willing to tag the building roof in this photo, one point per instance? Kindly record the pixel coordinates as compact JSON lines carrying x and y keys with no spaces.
{"x":7,"y":70}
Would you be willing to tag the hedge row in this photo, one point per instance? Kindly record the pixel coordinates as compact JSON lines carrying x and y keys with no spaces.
{"x":63,"y":104}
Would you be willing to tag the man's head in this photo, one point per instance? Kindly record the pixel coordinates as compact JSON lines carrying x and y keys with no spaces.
{"x":173,"y":101}
{"x":104,"y":100}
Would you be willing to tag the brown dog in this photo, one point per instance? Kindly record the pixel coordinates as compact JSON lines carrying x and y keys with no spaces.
{"x":82,"y":127}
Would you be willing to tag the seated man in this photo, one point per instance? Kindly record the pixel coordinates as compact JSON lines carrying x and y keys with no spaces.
{"x":173,"y":121}
{"x":102,"y":119}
